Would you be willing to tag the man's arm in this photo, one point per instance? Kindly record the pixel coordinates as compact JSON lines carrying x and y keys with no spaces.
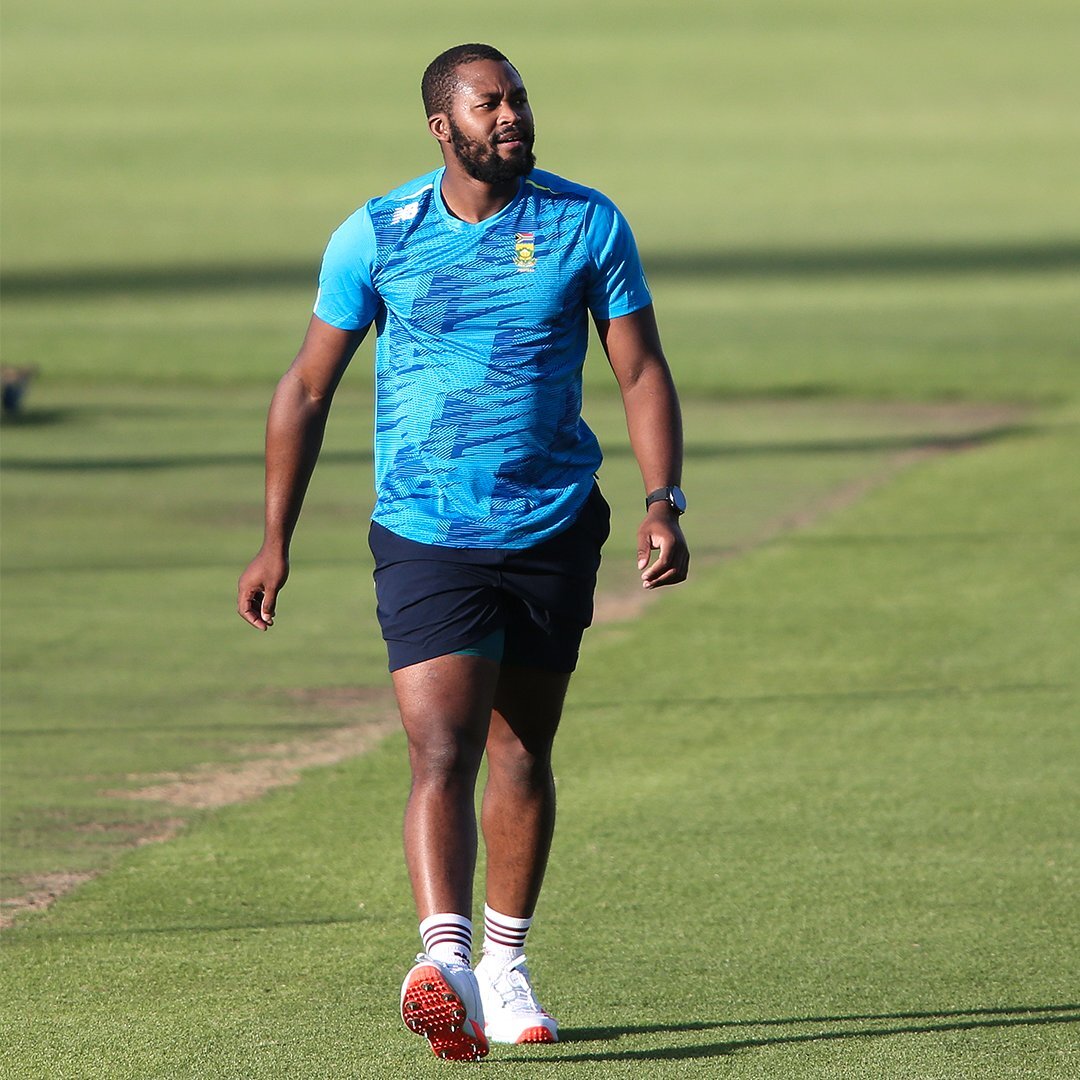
{"x":294,"y":433}
{"x":632,"y":344}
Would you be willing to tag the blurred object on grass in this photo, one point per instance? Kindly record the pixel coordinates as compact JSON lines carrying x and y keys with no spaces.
{"x":14,"y":382}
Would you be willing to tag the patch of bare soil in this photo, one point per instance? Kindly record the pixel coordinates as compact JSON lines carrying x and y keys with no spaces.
{"x":277,"y":764}
{"x":838,"y":499}
{"x":41,"y":891}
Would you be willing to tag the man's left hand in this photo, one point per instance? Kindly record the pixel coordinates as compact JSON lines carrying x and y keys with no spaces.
{"x":660,"y":532}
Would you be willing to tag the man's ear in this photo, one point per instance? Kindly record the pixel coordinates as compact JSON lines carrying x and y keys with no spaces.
{"x":439,"y":126}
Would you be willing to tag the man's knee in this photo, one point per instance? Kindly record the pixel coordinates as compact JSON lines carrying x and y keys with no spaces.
{"x":444,"y":755}
{"x":512,"y":759}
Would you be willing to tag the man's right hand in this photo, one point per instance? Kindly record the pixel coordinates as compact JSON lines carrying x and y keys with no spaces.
{"x":259,"y":585}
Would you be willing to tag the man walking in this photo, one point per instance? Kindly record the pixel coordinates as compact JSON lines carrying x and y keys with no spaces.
{"x":479,"y":278}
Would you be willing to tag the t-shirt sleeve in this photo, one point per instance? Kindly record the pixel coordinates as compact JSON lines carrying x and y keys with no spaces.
{"x":347,"y":298}
{"x":618,"y":284}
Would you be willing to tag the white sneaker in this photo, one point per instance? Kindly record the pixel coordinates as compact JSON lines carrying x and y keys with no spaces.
{"x":442,"y":1002}
{"x":511,"y":1012}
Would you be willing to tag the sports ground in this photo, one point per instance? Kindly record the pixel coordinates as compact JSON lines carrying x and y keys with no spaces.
{"x":818,"y":807}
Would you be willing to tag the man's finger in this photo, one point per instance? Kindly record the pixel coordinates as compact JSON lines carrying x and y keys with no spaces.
{"x":670,"y":565}
{"x":251,"y":607}
{"x":648,"y":542}
{"x":671,"y":576}
{"x":249,"y":611}
{"x":660,"y":564}
{"x":657,"y":574}
{"x":268,"y":606}
{"x":643,"y":554}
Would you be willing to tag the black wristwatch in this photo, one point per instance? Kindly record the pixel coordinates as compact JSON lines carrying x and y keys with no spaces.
{"x":673,"y":496}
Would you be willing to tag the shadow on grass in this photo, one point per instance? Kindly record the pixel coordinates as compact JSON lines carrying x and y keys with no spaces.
{"x":884,"y":1024}
{"x":958,"y":536}
{"x":31,"y":418}
{"x":891,"y":259}
{"x":838,"y":696}
{"x":1032,"y":256}
{"x":271,"y":728}
{"x":694,"y":451}
{"x":945,"y":441}
{"x":28,"y":932}
{"x":158,"y":463}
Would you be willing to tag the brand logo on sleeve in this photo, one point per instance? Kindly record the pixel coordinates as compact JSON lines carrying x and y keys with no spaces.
{"x":525,"y":251}
{"x":405,"y":213}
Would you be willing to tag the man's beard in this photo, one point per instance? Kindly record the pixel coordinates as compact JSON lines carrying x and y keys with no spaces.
{"x":482,"y":161}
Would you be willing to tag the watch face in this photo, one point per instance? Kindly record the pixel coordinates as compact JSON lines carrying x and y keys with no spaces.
{"x":673,"y":496}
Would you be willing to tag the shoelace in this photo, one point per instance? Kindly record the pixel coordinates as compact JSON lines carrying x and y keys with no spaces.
{"x":450,"y":965}
{"x":514,"y":988}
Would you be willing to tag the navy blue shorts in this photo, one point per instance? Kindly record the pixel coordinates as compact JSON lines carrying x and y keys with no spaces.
{"x":536,"y":602}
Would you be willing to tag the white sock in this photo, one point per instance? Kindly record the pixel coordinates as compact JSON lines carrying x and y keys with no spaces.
{"x":504,"y":935}
{"x":448,"y":938}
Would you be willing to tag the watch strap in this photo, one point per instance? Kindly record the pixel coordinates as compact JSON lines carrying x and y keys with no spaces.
{"x":672,"y":495}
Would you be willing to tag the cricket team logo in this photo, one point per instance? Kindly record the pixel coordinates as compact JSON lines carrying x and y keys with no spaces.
{"x":525,"y":251}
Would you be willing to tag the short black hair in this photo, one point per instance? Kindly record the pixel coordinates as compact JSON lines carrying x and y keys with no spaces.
{"x":437,"y":86}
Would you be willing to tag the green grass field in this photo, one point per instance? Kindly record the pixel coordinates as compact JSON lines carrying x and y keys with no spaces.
{"x":817,"y":807}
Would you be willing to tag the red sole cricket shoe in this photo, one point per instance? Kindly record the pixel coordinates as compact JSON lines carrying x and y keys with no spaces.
{"x":436,"y":1002}
{"x":537,"y":1035}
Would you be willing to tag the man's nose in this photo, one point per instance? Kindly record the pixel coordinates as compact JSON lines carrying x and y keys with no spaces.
{"x":509,"y":114}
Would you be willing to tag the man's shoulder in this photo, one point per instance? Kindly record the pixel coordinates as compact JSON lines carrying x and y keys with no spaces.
{"x":401,"y":204}
{"x":398,"y":200}
{"x":555,"y":186}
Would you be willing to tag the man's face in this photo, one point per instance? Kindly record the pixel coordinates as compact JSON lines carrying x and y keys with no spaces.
{"x":490,"y":122}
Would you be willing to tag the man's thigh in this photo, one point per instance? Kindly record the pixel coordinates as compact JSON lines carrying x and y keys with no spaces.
{"x":527,"y":708}
{"x":446,"y":706}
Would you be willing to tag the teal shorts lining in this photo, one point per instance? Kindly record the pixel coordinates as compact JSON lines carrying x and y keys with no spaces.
{"x":490,"y":647}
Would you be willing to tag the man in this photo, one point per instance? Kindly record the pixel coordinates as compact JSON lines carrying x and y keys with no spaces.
{"x":487,"y":527}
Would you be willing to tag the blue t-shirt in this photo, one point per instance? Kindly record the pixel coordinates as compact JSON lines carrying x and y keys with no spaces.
{"x":482,"y":331}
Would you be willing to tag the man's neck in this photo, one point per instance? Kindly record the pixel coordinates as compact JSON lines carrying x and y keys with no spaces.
{"x":472,"y":200}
